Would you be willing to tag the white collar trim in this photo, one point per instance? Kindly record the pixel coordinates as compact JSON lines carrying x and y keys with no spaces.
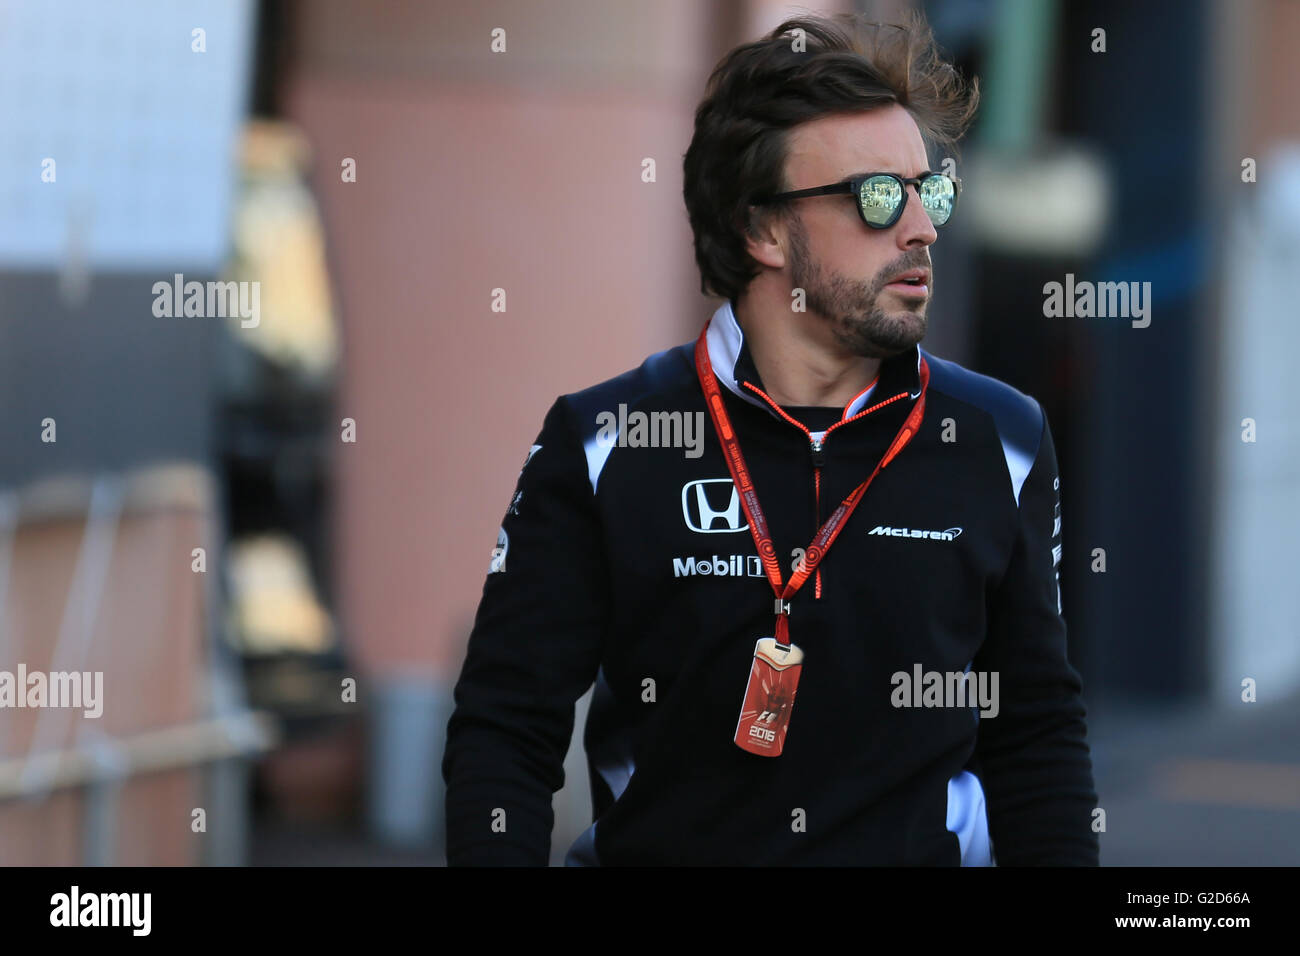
{"x":724,"y":340}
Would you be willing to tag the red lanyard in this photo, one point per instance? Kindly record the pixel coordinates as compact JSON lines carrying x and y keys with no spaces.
{"x":829,"y":531}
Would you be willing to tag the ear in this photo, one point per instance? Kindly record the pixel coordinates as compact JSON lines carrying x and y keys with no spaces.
{"x":765,"y":238}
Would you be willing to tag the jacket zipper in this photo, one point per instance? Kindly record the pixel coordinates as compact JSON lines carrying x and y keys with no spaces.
{"x":818,"y":451}
{"x":817,"y":499}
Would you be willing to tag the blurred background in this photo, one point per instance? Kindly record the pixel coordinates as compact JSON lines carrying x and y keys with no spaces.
{"x":268,"y":525}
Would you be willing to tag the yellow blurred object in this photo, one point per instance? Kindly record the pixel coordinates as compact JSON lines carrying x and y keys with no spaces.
{"x":273,"y":604}
{"x":279,"y":243}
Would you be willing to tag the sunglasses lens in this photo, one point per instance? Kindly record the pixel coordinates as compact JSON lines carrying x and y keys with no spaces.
{"x":938,"y":193}
{"x":879,"y":197}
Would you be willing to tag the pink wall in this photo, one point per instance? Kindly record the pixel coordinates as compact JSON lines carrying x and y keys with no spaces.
{"x":522,"y":173}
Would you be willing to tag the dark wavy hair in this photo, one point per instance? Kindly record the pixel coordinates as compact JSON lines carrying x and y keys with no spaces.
{"x":761,"y":90}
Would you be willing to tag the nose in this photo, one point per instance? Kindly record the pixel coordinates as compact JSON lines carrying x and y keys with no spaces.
{"x":915,"y":230}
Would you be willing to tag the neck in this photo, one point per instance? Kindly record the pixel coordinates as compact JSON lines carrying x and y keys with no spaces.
{"x":797,"y":366}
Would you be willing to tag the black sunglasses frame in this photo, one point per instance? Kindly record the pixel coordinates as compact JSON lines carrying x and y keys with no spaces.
{"x":851,"y":187}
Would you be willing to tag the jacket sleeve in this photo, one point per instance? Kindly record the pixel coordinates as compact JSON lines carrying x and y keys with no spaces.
{"x":1033,"y":755}
{"x":534,"y":650}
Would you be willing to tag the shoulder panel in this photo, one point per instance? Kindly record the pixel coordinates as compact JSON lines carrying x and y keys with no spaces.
{"x":1017,"y":417}
{"x":662,"y":372}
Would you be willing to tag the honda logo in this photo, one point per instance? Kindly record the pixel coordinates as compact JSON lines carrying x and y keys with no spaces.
{"x":700,"y":511}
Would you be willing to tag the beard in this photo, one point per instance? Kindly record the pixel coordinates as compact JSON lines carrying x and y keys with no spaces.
{"x":857,"y":321}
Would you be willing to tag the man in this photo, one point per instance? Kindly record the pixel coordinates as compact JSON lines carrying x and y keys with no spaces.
{"x":832,"y":633}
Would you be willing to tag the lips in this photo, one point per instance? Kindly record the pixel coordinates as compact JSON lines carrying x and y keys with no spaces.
{"x":911,"y":277}
{"x":913,"y":282}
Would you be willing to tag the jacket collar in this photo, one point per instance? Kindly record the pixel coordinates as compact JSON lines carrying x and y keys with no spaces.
{"x":733,"y":365}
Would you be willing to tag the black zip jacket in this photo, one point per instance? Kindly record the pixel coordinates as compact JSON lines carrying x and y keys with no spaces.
{"x":633,"y":568}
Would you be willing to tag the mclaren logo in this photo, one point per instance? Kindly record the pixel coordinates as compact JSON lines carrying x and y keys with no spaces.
{"x":947,"y":535}
{"x":712,"y":506}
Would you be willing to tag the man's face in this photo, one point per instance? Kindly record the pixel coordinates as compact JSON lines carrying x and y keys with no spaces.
{"x":844,"y":267}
